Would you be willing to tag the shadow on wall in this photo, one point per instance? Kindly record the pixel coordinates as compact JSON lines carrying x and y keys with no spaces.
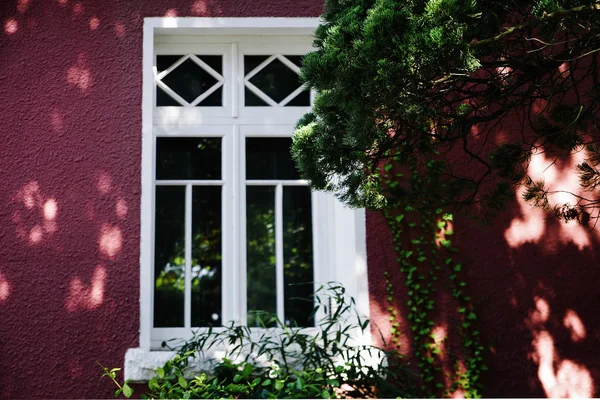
{"x":534,"y":283}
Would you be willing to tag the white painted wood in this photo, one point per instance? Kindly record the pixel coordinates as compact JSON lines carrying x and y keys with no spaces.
{"x":147,"y":195}
{"x":279,"y":286}
{"x":240,"y":211}
{"x":275,"y":182}
{"x":187,"y":294}
{"x":235,"y":80}
{"x":181,"y":182}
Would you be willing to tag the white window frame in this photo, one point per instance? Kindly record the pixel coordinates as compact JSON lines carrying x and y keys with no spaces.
{"x":338,"y":232}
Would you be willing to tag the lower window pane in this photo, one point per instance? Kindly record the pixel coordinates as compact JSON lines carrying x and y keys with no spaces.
{"x":297,"y":256}
{"x":260,"y":253}
{"x":206,"y":256}
{"x":169,"y":256}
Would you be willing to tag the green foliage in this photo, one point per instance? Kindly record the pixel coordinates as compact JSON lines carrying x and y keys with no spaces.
{"x":423,"y":88}
{"x":423,"y":263}
{"x":286,"y":362}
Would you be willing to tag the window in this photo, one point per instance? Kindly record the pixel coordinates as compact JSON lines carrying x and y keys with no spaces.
{"x":229,"y":230}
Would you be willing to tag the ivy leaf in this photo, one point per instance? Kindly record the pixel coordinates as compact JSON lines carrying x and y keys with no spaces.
{"x":127,"y":390}
{"x":182,"y":382}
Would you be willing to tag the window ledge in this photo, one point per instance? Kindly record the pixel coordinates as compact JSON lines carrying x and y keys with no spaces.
{"x":140,"y":364}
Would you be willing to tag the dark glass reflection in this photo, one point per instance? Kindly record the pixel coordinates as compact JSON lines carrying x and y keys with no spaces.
{"x":169,"y":256}
{"x":206,"y":256}
{"x":188,"y":158}
{"x":252,"y":100}
{"x":276,"y":80}
{"x":189,"y":80}
{"x":164,"y":62}
{"x":260,"y":253}
{"x":270,"y":158}
{"x":301,"y":100}
{"x":298,"y":256}
{"x":251,"y":62}
{"x":163,"y":99}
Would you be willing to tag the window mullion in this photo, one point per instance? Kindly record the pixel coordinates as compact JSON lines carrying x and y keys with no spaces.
{"x":235,"y":79}
{"x":279,"y":250}
{"x":237,"y":161}
{"x":187,"y":321}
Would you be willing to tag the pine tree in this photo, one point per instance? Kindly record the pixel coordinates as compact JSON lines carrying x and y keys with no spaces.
{"x":412,"y":96}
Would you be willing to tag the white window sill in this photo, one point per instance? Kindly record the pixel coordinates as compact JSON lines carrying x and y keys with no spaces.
{"x":141,"y":365}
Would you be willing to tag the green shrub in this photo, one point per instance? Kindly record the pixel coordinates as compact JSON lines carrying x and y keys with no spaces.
{"x":285,"y":362}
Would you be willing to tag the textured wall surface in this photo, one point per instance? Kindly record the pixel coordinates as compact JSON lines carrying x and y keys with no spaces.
{"x":534,"y":285}
{"x":70,"y":123}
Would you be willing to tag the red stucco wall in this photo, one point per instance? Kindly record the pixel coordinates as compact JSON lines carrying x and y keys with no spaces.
{"x":70,"y":123}
{"x":534,"y":285}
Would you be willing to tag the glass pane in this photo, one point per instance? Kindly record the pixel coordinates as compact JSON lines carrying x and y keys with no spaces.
{"x":164,"y":62}
{"x":276,"y":79}
{"x":270,"y":158}
{"x":251,"y":62}
{"x":260,"y":253}
{"x":297,"y":256}
{"x":163,"y":99}
{"x":215,"y":62}
{"x":215,"y":99}
{"x":189,"y":80}
{"x":188,"y":158}
{"x":301,"y":100}
{"x":169,"y":256}
{"x":296,"y":60}
{"x":206,"y":256}
{"x":252,"y":100}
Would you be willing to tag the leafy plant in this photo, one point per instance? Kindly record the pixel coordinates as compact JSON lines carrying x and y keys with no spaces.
{"x":285,"y":362}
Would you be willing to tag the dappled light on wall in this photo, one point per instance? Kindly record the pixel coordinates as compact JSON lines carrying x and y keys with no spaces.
{"x":110,"y":240}
{"x":4,"y":288}
{"x":120,"y":29}
{"x":121,"y":208}
{"x":23,"y":5}
{"x":56,"y":120}
{"x":87,"y":297}
{"x":531,"y":225}
{"x":558,"y":377}
{"x":11,"y":26}
{"x":573,"y":323}
{"x":199,"y":7}
{"x":78,"y":9}
{"x":104,"y":183}
{"x":35,"y":215}
{"x":79,"y":75}
{"x":94,"y":23}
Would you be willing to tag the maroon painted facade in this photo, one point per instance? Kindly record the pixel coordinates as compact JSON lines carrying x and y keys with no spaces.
{"x":70,"y":120}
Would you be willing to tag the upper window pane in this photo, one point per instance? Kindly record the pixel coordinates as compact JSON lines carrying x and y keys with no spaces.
{"x":194,"y":77}
{"x":275,"y":80}
{"x":188,"y":158}
{"x":270,"y":158}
